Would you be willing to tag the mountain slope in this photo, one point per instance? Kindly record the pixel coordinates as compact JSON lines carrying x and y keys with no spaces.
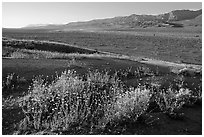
{"x":179,"y":15}
{"x":193,"y":22}
{"x":131,"y":21}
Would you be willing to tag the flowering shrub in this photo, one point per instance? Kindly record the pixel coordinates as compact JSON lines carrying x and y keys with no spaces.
{"x":133,"y":103}
{"x":171,"y":100}
{"x":69,"y":101}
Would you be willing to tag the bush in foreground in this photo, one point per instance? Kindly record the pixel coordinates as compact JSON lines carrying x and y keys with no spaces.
{"x":70,"y":102}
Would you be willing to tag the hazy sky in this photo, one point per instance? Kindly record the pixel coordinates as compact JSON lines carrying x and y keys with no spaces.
{"x":20,"y":14}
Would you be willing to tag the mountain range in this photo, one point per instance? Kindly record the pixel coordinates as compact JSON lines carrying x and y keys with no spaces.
{"x":176,"y":18}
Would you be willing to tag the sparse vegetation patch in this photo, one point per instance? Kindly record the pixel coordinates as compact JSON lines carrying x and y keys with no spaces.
{"x":91,"y":104}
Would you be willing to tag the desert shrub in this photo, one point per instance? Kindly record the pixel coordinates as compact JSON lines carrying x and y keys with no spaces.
{"x":70,"y":101}
{"x":11,"y":83}
{"x":8,"y":83}
{"x":135,"y":73}
{"x":131,"y":104}
{"x":193,"y":97}
{"x":170,"y":101}
{"x":12,"y":80}
{"x":196,"y":96}
{"x":198,"y":93}
{"x":19,"y":54}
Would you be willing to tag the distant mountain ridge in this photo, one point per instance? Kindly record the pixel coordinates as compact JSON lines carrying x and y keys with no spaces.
{"x":175,"y":18}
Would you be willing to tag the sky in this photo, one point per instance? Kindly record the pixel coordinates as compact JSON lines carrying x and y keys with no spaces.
{"x":20,"y":14}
